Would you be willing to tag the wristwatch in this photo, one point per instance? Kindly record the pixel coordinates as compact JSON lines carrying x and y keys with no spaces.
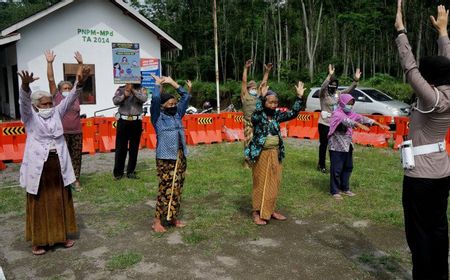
{"x":402,"y":31}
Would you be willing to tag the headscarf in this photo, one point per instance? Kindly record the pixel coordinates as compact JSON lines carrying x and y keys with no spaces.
{"x":338,"y":116}
{"x":165,"y":97}
{"x":435,"y":70}
{"x":251,"y":84}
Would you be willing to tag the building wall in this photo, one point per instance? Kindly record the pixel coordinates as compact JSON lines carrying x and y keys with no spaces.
{"x":8,"y":58}
{"x":63,"y":31}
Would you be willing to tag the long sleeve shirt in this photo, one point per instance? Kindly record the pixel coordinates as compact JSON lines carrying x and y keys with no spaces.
{"x":427,"y":128}
{"x":341,"y":140}
{"x":329,"y":103}
{"x":169,"y":129}
{"x":43,"y":135}
{"x":131,"y":105}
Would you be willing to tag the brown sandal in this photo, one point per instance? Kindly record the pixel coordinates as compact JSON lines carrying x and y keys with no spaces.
{"x":38,"y":250}
{"x":278,"y":216}
{"x":69,"y":243}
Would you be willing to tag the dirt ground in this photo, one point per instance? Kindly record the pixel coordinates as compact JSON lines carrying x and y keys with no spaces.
{"x":312,"y":248}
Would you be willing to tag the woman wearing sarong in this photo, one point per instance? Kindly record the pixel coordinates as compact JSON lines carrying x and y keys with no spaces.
{"x":166,"y":115}
{"x":46,"y":170}
{"x":266,"y":151}
{"x":249,"y":97}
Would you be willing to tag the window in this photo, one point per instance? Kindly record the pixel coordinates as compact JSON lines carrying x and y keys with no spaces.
{"x":359,"y":96}
{"x":316,"y":94}
{"x":88,"y":95}
{"x":377,"y":95}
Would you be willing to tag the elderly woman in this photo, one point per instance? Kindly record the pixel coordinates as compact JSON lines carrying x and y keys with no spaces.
{"x":46,"y":170}
{"x":249,"y":97}
{"x":266,"y":151}
{"x":342,"y":122}
{"x":166,"y":115}
{"x":329,"y":98}
{"x":71,"y":120}
{"x":426,"y":181}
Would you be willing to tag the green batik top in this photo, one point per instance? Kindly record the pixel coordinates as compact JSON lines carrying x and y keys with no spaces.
{"x":262,"y":127}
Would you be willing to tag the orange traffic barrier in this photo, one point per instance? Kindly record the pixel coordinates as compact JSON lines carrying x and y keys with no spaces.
{"x":233,"y":126}
{"x":106,"y":135}
{"x":376,"y":136}
{"x":304,"y":126}
{"x":89,"y":135}
{"x":2,"y":165}
{"x":401,"y":131}
{"x":203,"y":129}
{"x":12,"y":140}
{"x":148,"y":138}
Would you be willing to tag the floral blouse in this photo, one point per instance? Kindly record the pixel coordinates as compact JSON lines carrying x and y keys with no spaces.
{"x":262,"y":127}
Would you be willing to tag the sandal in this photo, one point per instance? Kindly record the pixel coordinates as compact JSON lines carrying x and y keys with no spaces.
{"x":257,"y":219}
{"x":337,"y":196}
{"x":278,"y":216}
{"x":69,"y":243}
{"x":38,"y":250}
{"x":158,"y":227}
{"x":78,"y":187}
{"x":349,"y":193}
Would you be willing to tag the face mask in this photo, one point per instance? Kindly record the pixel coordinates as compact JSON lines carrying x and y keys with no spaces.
{"x":253,"y":92}
{"x":65,"y":93}
{"x":332,"y":90}
{"x":171,"y":111}
{"x":348,"y":108}
{"x":269,"y":112}
{"x":46,"y":113}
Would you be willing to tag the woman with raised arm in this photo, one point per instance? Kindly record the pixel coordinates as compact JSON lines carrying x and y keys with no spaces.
{"x":71,"y":121}
{"x":249,"y":97}
{"x":426,"y":180}
{"x":171,"y":151}
{"x":329,"y":99}
{"x":46,"y":170}
{"x":266,"y":152}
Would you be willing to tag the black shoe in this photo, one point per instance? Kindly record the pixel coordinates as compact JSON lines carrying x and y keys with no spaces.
{"x":132,"y":176}
{"x":322,"y":169}
{"x":117,"y":178}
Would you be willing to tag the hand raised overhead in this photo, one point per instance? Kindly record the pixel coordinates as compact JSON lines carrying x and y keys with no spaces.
{"x":27,"y":78}
{"x":268,"y":67}
{"x":399,"y":25}
{"x":357,"y":74}
{"x":442,"y":20}
{"x":158,"y":80}
{"x":330,"y":70}
{"x":263,"y":88}
{"x":78,"y":57}
{"x":248,"y":63}
{"x":50,"y":56}
{"x":300,"y":88}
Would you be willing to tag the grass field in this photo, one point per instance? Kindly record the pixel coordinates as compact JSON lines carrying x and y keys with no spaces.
{"x":217,"y":191}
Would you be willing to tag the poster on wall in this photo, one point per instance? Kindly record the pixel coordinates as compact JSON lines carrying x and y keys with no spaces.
{"x":126,"y":67}
{"x":149,"y":66}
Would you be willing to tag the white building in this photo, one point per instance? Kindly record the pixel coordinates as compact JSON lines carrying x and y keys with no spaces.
{"x":88,"y":26}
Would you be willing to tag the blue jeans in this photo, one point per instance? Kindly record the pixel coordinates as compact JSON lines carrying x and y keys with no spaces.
{"x":340,"y":170}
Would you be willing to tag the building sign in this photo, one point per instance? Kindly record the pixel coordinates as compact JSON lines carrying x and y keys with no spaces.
{"x":126,"y":66}
{"x":95,"y":36}
{"x":149,"y":66}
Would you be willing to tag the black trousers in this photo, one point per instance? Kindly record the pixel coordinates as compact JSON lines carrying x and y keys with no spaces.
{"x":426,"y":226}
{"x":340,"y":170}
{"x":128,"y":136}
{"x":323,"y":139}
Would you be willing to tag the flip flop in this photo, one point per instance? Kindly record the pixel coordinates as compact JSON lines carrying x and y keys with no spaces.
{"x":278,"y":216}
{"x":69,"y":243}
{"x":38,"y":251}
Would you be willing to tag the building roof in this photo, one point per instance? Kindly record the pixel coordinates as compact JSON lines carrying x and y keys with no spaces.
{"x":166,"y":41}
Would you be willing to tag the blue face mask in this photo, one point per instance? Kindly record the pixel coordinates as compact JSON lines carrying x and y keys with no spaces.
{"x":253,"y":92}
{"x":348,"y":108}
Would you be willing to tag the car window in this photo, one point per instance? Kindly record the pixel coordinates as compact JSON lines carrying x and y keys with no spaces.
{"x":377,"y":95}
{"x":316,"y":93}
{"x":359,"y":96}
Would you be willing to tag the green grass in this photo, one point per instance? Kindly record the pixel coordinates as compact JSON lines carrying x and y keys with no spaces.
{"x":216,"y":197}
{"x":123,"y":260}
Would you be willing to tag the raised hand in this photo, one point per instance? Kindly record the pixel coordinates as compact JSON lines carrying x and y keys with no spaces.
{"x":158,"y":80}
{"x":169,"y":80}
{"x":27,"y":78}
{"x":399,"y":17}
{"x":442,"y":20}
{"x":300,"y":88}
{"x":357,"y":74}
{"x":83,"y":75}
{"x":330,"y":70}
{"x":263,"y":88}
{"x":248,"y":63}
{"x":268,"y":67}
{"x":78,"y":57}
{"x":189,"y":85}
{"x":50,"y":56}
{"x":128,"y":90}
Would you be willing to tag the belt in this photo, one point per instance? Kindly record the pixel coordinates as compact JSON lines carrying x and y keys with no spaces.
{"x":130,"y":118}
{"x":53,"y":152}
{"x":429,"y":149}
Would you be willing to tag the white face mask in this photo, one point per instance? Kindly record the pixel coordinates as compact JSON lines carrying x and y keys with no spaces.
{"x":46,"y":113}
{"x":348,"y":108}
{"x":65,"y":93}
{"x":253,"y":92}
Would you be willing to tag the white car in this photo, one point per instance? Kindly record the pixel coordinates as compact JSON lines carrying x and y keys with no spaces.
{"x":368,"y":101}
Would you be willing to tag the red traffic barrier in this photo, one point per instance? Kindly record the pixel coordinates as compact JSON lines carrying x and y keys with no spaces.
{"x":106,"y":136}
{"x":203,"y":129}
{"x":401,"y":131}
{"x":304,"y":126}
{"x":12,"y":140}
{"x":233,"y":126}
{"x":376,"y":136}
{"x":148,"y":138}
{"x":89,"y":135}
